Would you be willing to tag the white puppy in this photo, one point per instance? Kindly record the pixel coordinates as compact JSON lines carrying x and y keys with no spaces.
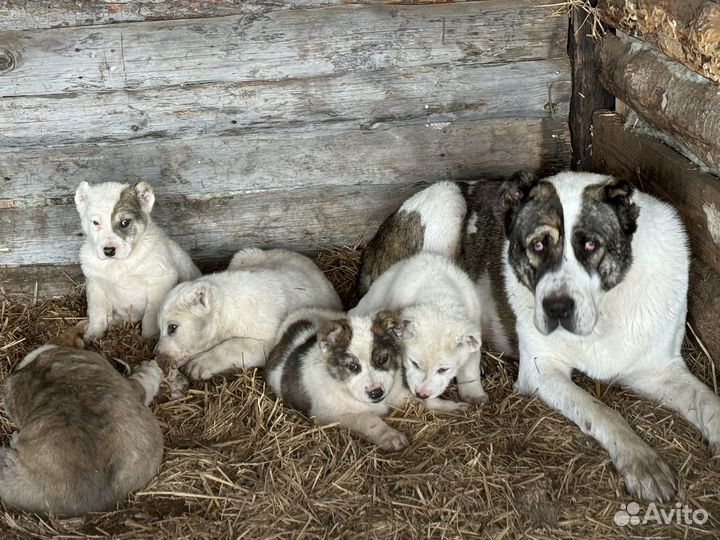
{"x":129,"y":262}
{"x":230,"y":319}
{"x":596,"y":274}
{"x":85,"y":437}
{"x":442,"y":338}
{"x":431,"y":220}
{"x":340,"y":368}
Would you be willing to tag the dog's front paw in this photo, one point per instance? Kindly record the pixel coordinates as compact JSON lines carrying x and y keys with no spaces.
{"x":72,"y":337}
{"x":202,"y":367}
{"x":150,"y":327}
{"x":95,"y":330}
{"x":392,"y":441}
{"x":473,"y":393}
{"x":647,"y":477}
{"x":150,"y":377}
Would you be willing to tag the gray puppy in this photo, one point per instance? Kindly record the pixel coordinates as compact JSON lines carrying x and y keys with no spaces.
{"x":85,"y":436}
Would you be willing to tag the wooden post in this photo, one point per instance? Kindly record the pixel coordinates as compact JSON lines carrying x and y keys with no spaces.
{"x":588,"y":95}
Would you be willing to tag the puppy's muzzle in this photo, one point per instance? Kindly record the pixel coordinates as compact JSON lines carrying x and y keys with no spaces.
{"x":559,"y":310}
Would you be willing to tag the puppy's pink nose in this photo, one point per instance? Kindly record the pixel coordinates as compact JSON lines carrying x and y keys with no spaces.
{"x":422,"y":394}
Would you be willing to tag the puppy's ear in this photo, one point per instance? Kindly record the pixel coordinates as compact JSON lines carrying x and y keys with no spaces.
{"x":146,"y":196}
{"x":514,"y":191}
{"x":334,"y":334}
{"x":618,"y":193}
{"x":472,"y":341}
{"x":199,"y":299}
{"x":391,"y":323}
{"x":81,"y":196}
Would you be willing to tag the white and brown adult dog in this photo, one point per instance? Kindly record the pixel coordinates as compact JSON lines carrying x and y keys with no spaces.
{"x":129,"y":262}
{"x":431,"y":221}
{"x":340,"y":368}
{"x":596,"y":275}
{"x":230,"y":319}
{"x":85,"y":438}
{"x":442,"y":336}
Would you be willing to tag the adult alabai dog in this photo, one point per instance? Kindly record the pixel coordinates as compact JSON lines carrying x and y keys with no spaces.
{"x":596,"y":276}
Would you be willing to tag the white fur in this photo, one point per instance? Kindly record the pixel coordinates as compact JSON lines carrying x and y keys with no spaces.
{"x":442,"y":306}
{"x":442,"y":210}
{"x":634,"y":339}
{"x":132,"y":284}
{"x":230,"y":319}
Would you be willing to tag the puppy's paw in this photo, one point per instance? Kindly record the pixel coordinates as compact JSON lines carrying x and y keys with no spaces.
{"x":72,"y":337}
{"x":647,"y":477}
{"x":392,"y":441}
{"x":446,"y":406}
{"x":95,"y":331}
{"x":150,"y":327}
{"x":150,"y":376}
{"x":473,"y":393}
{"x":202,"y":367}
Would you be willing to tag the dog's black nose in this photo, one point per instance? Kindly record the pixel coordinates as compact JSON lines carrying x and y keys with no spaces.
{"x":375,"y":393}
{"x":109,"y":251}
{"x":558,"y":307}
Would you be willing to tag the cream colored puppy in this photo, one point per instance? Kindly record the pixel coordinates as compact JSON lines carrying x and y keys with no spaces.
{"x":128,"y":261}
{"x":229,"y":320}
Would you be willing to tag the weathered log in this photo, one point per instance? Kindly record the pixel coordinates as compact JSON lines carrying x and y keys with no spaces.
{"x":664,"y":93}
{"x":587,"y":94}
{"x":658,"y":169}
{"x":704,"y":306}
{"x":685,"y":30}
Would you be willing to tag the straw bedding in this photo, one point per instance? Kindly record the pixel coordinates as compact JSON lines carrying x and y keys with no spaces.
{"x":238,"y":464}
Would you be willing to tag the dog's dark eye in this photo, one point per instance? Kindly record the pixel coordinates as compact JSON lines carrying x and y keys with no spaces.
{"x":172,"y":328}
{"x":95,"y":222}
{"x":442,"y":370}
{"x":125,"y":223}
{"x":353,"y":366}
{"x":382,"y":359}
{"x":414,"y":363}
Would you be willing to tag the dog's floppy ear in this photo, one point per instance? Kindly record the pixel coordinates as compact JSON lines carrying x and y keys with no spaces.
{"x":618,"y":193}
{"x":81,"y":196}
{"x":334,"y":334}
{"x":513,"y":192}
{"x":471,"y":340}
{"x":145,"y":195}
{"x":199,"y":298}
{"x":392,"y":323}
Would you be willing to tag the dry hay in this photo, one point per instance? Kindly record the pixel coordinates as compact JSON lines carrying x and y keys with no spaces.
{"x":238,"y":464}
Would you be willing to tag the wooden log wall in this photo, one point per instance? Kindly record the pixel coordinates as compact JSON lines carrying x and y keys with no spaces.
{"x":273,"y":124}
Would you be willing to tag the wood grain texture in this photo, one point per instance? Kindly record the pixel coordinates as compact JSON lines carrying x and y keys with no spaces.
{"x":659,"y":170}
{"x":29,"y":284}
{"x":664,"y":93}
{"x":248,"y":173}
{"x":420,"y":94}
{"x":279,"y":45}
{"x":588,"y":95}
{"x":704,"y":306}
{"x":38,"y":14}
{"x":687,"y":31}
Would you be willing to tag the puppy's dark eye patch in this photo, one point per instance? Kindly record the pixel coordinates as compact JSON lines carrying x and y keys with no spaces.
{"x":382,"y":359}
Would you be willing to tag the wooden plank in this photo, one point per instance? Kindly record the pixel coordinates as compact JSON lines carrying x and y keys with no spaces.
{"x":285,"y":159}
{"x":687,"y":31}
{"x":587,"y":95}
{"x":668,"y":96}
{"x":704,"y":306}
{"x":36,"y":14}
{"x":661,"y":171}
{"x":29,"y":284}
{"x":420,"y":94}
{"x":278,"y":45}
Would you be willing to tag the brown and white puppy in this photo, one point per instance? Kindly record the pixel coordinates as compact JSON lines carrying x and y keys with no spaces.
{"x":85,"y":438}
{"x":128,"y":261}
{"x":341,"y":368}
{"x":429,"y":221}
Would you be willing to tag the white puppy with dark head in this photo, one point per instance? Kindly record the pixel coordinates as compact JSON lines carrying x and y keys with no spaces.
{"x":340,"y":368}
{"x":128,"y":261}
{"x":442,"y":337}
{"x":229,"y":320}
{"x":596,"y":275}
